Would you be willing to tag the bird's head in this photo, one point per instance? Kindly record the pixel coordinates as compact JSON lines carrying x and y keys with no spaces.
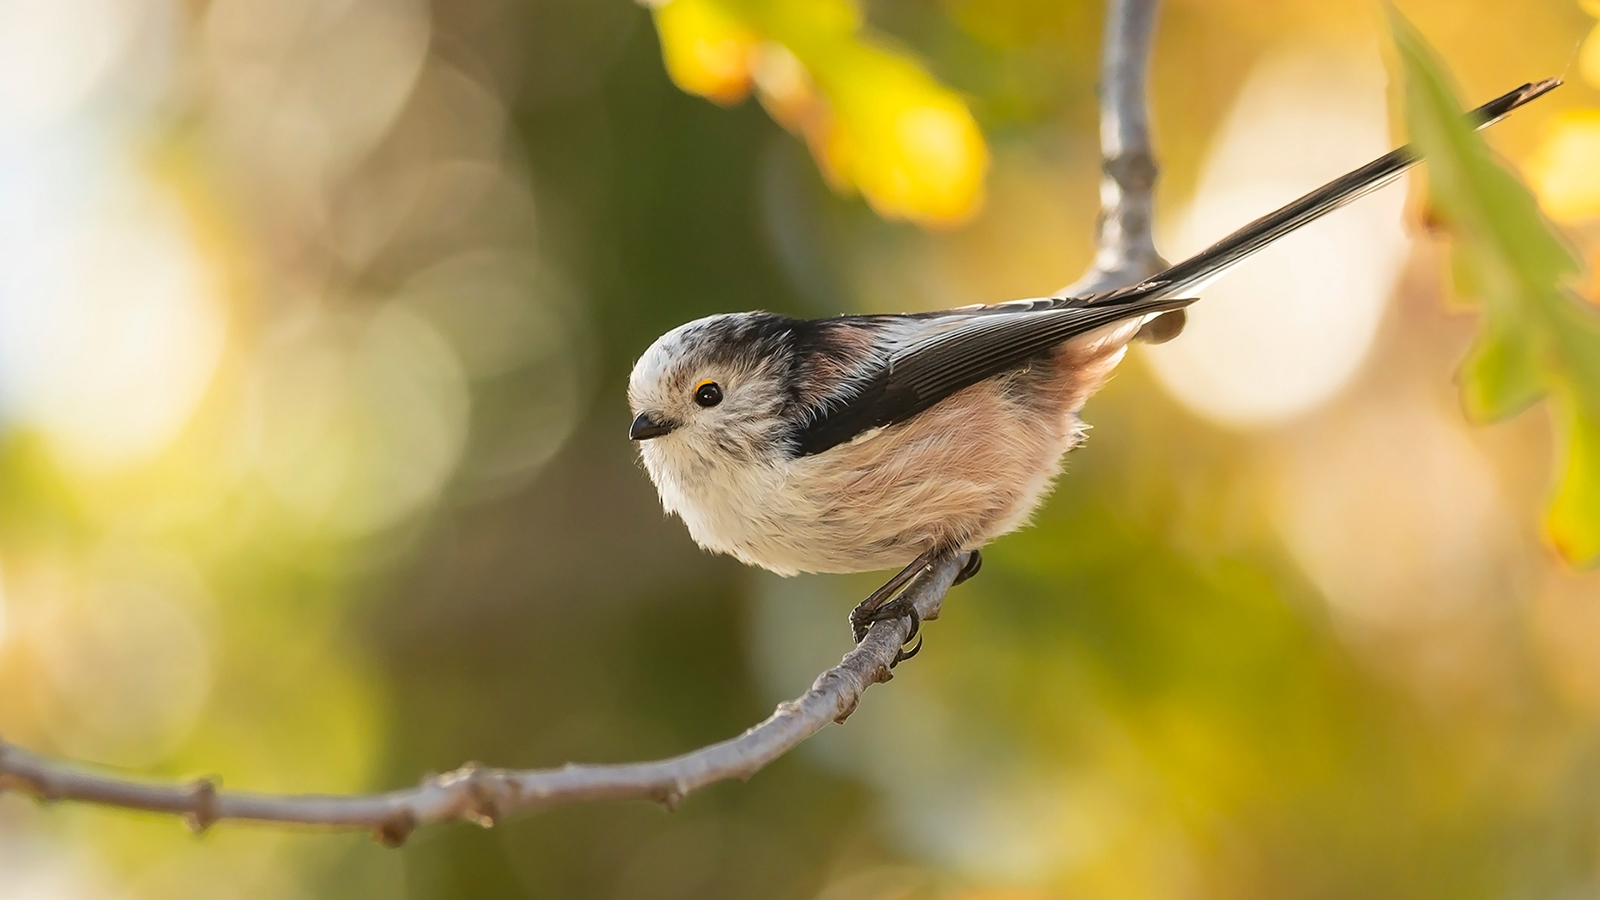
{"x":712,"y":388}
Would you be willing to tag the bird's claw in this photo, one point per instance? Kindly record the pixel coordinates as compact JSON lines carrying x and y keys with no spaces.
{"x":903,"y":654}
{"x":878,"y":607}
{"x":862,"y":618}
{"x":970,"y":568}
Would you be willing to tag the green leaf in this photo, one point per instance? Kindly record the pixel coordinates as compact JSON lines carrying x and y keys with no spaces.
{"x":1500,"y":376}
{"x":1574,"y":525}
{"x":1539,"y":339}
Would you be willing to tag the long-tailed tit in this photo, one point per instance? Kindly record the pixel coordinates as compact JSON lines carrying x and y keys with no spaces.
{"x":863,"y":442}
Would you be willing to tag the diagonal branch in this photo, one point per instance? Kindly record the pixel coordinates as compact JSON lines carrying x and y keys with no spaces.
{"x":485,"y":796}
{"x":1126,"y":254}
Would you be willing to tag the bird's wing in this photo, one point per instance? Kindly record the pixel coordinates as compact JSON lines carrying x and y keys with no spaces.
{"x":929,"y":357}
{"x":926,"y":358}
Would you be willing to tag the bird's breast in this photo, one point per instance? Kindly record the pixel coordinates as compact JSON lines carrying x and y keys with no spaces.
{"x":756,"y":511}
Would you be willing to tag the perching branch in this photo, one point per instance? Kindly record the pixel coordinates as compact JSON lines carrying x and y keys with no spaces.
{"x":485,"y":796}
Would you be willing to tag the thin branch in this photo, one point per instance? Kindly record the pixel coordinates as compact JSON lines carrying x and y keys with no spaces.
{"x":485,"y":796}
{"x":1126,"y":249}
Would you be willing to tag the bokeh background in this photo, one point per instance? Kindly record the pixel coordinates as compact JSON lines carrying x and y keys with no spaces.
{"x":315,"y":319}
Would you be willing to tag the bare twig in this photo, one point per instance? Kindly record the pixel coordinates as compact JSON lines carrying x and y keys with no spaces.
{"x":1126,"y":251}
{"x":484,"y":795}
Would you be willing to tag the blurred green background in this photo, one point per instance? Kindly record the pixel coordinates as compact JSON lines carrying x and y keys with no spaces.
{"x":315,"y":319}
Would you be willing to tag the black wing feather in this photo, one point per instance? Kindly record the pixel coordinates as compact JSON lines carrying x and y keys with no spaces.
{"x":956,"y":350}
{"x":982,"y":342}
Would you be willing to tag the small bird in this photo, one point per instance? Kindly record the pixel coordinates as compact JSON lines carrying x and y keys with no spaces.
{"x":862,"y":442}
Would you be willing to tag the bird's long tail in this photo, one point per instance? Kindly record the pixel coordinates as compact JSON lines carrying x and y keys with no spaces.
{"x":1198,"y":270}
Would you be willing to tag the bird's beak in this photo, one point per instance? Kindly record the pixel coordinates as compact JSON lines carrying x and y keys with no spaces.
{"x":646,"y":426}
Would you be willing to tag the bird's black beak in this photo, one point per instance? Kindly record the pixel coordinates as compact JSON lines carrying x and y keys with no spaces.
{"x":645,"y":427}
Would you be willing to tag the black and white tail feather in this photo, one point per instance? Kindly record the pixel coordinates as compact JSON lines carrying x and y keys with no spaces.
{"x":923,"y":358}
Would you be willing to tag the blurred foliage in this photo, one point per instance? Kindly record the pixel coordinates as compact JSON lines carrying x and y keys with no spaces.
{"x":1538,"y":337}
{"x":314,"y":326}
{"x":1564,"y":170}
{"x":875,"y":120}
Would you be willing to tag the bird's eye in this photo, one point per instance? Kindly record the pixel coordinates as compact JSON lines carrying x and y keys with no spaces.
{"x":707,"y":394}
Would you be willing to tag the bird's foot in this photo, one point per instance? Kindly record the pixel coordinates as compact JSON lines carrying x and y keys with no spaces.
{"x":865,"y":613}
{"x":900,"y":607}
{"x":888,"y":602}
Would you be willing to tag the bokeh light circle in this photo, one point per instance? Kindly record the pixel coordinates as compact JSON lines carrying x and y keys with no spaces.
{"x":1286,"y":329}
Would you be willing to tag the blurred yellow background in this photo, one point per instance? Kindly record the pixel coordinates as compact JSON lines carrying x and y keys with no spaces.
{"x":315,"y":318}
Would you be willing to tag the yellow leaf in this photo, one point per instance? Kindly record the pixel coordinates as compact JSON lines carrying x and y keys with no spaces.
{"x":908,"y":143}
{"x":875,"y":120}
{"x":706,"y":51}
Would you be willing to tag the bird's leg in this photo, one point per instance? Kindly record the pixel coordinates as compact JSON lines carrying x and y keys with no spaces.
{"x":889,"y":602}
{"x":879,"y":605}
